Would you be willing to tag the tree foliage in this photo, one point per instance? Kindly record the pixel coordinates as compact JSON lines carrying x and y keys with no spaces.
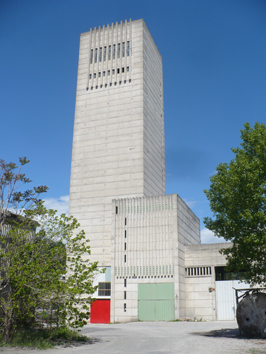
{"x":44,"y":259}
{"x":237,"y":197}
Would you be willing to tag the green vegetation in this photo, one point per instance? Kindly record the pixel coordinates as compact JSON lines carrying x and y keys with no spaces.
{"x":45,"y":339}
{"x":46,"y":278}
{"x":237,"y":197}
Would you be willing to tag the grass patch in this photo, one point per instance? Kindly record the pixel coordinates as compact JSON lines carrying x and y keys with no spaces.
{"x":46,"y":339}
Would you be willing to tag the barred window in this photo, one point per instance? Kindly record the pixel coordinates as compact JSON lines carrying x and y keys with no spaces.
{"x":104,"y":289}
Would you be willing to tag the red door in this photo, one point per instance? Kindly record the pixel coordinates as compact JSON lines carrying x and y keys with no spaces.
{"x":100,"y":311}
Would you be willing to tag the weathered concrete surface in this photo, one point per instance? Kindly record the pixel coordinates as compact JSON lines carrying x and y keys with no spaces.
{"x":162,"y":337}
{"x":251,"y":315}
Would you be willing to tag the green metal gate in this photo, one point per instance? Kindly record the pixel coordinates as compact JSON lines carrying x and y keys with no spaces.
{"x":156,"y":302}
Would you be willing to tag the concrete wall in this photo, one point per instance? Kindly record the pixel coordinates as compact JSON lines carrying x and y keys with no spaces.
{"x":108,"y":159}
{"x":200,"y":263}
{"x":148,"y":237}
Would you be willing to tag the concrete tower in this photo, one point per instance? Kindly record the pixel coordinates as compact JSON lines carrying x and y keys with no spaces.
{"x":118,"y":143}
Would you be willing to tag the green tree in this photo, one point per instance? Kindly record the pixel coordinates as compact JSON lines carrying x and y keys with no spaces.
{"x":237,"y":197}
{"x":44,"y":259}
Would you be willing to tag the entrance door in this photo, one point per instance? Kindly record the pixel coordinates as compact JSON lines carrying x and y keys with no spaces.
{"x":225,"y":298}
{"x":100,"y":311}
{"x":156,"y":302}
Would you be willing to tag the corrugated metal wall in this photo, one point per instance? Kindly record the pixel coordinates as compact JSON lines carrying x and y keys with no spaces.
{"x":225,"y":299}
{"x":156,"y":302}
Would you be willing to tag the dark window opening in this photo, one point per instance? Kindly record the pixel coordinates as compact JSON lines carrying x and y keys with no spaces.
{"x":123,"y":70}
{"x":118,"y":71}
{"x":125,"y":233}
{"x":116,"y":210}
{"x":125,"y":295}
{"x":125,"y":307}
{"x":125,"y":218}
{"x":125,"y":283}
{"x":125,"y":258}
{"x":125,"y":246}
{"x":221,"y":274}
{"x":104,"y":289}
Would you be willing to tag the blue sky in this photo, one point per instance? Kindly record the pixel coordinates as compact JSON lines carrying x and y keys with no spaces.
{"x":214,"y":61}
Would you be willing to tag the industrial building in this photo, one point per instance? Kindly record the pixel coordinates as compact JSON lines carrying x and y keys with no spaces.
{"x":149,"y":242}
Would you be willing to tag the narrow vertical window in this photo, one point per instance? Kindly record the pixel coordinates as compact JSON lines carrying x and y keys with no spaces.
{"x":116,"y":210}
{"x":109,"y":52}
{"x":128,"y":48}
{"x":125,"y":295}
{"x":91,"y":60}
{"x":90,"y":76}
{"x":125,"y":233}
{"x":95,"y":56}
{"x":123,"y":49}
{"x":114,"y":51}
{"x":125,"y":258}
{"x":125,"y":283}
{"x":108,"y":72}
{"x":125,"y":307}
{"x":127,"y":68}
{"x":125,"y":221}
{"x":103,"y":73}
{"x":125,"y":246}
{"x":101,"y":54}
{"x":104,"y":54}
{"x":99,"y":74}
{"x":118,"y":50}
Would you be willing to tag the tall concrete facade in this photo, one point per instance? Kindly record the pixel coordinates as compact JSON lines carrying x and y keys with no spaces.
{"x":118,"y":143}
{"x":148,"y":242}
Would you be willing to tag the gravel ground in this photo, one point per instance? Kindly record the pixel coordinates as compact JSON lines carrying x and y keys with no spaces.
{"x":161,"y":337}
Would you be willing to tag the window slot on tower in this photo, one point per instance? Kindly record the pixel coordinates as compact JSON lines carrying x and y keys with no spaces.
{"x":118,"y":71}
{"x":125,"y":258}
{"x":116,"y":209}
{"x":95,"y":57}
{"x":118,"y":50}
{"x":125,"y":233}
{"x":101,"y":53}
{"x":91,"y":60}
{"x":109,"y":52}
{"x":125,"y":295}
{"x":99,"y":75}
{"x":90,"y":76}
{"x":123,"y":49}
{"x":128,"y":48}
{"x":123,"y":70}
{"x":104,"y":54}
{"x":113,"y":71}
{"x":127,"y":68}
{"x":125,"y":221}
{"x":125,"y":283}
{"x":125,"y":246}
{"x":108,"y":72}
{"x":114,"y":51}
{"x":103,"y":73}
{"x":94,"y":75}
{"x":125,"y":307}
